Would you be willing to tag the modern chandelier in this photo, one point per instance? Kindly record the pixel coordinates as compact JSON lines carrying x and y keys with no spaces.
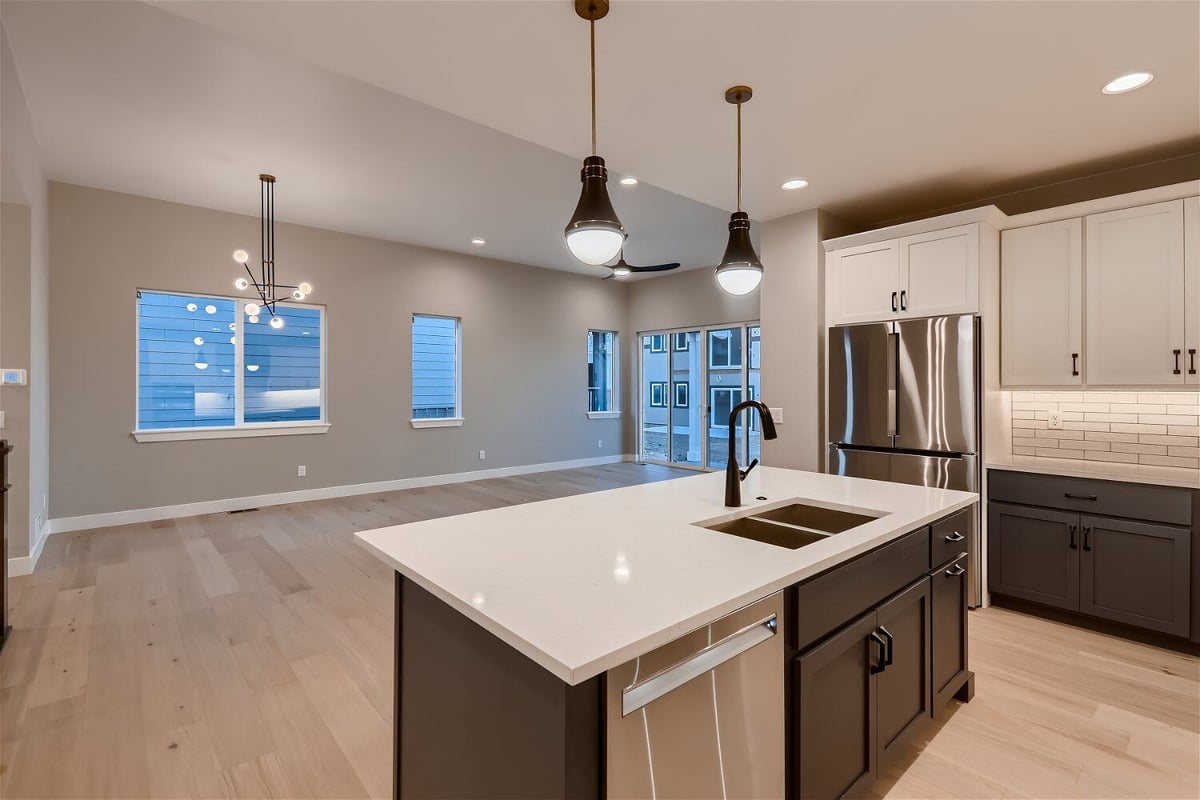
{"x":740,"y":271}
{"x":594,"y":234}
{"x":269,"y":291}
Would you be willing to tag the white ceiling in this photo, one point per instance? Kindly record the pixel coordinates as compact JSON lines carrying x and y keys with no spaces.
{"x":361,"y":108}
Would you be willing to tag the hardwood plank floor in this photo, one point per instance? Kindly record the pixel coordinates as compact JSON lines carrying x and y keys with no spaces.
{"x":250,"y":655}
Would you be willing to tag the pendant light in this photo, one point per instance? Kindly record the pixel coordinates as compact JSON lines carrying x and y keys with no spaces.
{"x":594,"y":234}
{"x":264,"y":284}
{"x":740,"y":271}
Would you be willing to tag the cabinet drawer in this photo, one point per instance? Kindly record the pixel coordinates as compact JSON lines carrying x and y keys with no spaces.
{"x":950,"y":538}
{"x":829,"y":600}
{"x":1106,"y":498}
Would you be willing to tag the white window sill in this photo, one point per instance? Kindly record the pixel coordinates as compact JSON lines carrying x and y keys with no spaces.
{"x":273,"y":429}
{"x":437,"y":422}
{"x":604,"y":414}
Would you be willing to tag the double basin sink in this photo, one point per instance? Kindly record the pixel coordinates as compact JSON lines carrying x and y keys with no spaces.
{"x":792,"y":526}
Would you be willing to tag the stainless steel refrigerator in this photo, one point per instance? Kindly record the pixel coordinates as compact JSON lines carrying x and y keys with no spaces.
{"x":904,"y":406}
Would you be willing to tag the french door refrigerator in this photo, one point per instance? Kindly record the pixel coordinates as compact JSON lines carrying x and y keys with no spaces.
{"x":904,"y":406}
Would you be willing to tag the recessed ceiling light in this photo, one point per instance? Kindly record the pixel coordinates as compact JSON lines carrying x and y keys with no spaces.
{"x":478,"y":242}
{"x":629,"y":180}
{"x":794,"y":183}
{"x":1127,"y":83}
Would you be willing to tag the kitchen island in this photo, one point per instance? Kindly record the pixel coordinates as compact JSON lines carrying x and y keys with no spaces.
{"x":517,"y":629}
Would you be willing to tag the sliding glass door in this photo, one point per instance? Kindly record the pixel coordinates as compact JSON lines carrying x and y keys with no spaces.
{"x":689,"y":381}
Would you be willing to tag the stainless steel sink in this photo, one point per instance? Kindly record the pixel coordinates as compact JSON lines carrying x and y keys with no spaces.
{"x":792,"y":526}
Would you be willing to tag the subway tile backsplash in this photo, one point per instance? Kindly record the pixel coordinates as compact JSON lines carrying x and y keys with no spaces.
{"x":1159,"y":429}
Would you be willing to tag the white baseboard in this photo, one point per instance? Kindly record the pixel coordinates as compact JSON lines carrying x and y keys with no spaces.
{"x":24,"y":564}
{"x":109,"y":519}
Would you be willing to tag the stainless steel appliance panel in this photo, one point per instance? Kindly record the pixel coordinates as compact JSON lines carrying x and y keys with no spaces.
{"x":942,"y":472}
{"x":703,"y":715}
{"x":861,"y":372}
{"x":937,"y":375}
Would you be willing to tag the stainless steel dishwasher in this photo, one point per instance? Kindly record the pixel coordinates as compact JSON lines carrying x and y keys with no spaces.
{"x":703,"y":715}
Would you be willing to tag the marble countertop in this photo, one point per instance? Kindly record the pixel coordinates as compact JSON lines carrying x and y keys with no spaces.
{"x":1102,"y":471}
{"x":583,"y":584}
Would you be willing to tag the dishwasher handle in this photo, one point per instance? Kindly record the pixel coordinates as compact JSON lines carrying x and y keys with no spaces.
{"x":643,"y":693}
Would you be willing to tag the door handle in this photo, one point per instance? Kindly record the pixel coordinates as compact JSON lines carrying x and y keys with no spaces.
{"x":877,"y":639}
{"x":1087,"y":531}
{"x":904,"y":299}
{"x":891,"y":646}
{"x":1070,"y":496}
{"x":642,"y":694}
{"x":1072,"y":544}
{"x":1191,"y":361}
{"x":955,"y":571}
{"x":1176,"y":371}
{"x":893,"y":358}
{"x":954,"y":537}
{"x":894,"y":309}
{"x":1074,"y":364}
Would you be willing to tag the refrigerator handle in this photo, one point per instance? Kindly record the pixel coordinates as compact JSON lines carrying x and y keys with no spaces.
{"x":893,"y":349}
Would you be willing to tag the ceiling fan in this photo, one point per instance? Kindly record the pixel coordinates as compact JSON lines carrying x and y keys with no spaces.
{"x":621,"y":269}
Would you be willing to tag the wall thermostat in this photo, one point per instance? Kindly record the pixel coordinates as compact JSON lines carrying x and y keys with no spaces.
{"x":16,"y":377}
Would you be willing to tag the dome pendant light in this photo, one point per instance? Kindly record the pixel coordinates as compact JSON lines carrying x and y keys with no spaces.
{"x":740,"y":271}
{"x":594,"y":234}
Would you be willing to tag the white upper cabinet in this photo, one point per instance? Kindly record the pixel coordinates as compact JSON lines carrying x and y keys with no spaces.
{"x":939,"y":272}
{"x":1041,"y":304}
{"x":1136,"y":300}
{"x":863,"y":283}
{"x":1191,"y":286}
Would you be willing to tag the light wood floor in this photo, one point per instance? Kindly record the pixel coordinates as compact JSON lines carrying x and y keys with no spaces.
{"x":250,"y":655}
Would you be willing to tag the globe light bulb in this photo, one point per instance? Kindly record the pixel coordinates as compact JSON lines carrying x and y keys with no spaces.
{"x":210,"y":309}
{"x":739,"y":281}
{"x":276,"y":322}
{"x":241,"y":256}
{"x":252,"y":309}
{"x":596,"y":245}
{"x":252,"y":367}
{"x":241,"y":284}
{"x":199,"y":340}
{"x":298,"y":295}
{"x":254,"y":319}
{"x":201,"y":365}
{"x":233,"y":340}
{"x":305,"y":287}
{"x":192,"y":306}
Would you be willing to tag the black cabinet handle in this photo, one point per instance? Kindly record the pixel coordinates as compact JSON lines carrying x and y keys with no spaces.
{"x":1074,"y":364}
{"x":1191,"y":361}
{"x":894,"y":309}
{"x":954,"y":537}
{"x":1176,"y":371}
{"x":1087,"y":530}
{"x":1069,"y":496}
{"x":877,"y":639}
{"x":891,"y":646}
{"x":1072,"y":544}
{"x":955,"y":571}
{"x":904,"y":300}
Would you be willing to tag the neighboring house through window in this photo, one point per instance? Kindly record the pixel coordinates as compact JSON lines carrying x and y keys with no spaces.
{"x":724,"y":349}
{"x":680,"y":342}
{"x":601,"y":371}
{"x":681,"y":394}
{"x":436,"y":367}
{"x":658,"y":343}
{"x":658,"y":394}
{"x":723,"y":399}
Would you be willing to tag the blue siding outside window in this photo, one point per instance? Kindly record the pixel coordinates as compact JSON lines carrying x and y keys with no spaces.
{"x":283,"y":367}
{"x":434,"y":367}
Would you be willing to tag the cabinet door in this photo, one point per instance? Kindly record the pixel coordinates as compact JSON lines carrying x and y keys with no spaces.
{"x":835,"y":713}
{"x":1191,"y":286}
{"x":1033,"y":553}
{"x":864,"y":283}
{"x":1135,"y":296}
{"x":948,"y":629}
{"x":939,"y":272}
{"x":1041,"y":304}
{"x":902,"y":693}
{"x":1137,"y":573}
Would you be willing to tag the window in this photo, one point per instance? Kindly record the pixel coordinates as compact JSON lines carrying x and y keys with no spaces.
{"x":681,"y":394}
{"x":658,"y":394}
{"x":725,"y":349}
{"x":658,"y":343}
{"x":601,"y":372}
{"x":190,"y":348}
{"x":680,"y":342}
{"x":723,"y":401}
{"x":436,"y":371}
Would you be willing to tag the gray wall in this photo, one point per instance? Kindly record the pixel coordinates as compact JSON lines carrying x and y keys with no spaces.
{"x":517,"y":321}
{"x":23,"y":309}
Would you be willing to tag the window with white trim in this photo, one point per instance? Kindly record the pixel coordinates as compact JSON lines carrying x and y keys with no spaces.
{"x":601,"y":371}
{"x":723,"y":399}
{"x":658,"y":394}
{"x":436,"y":367}
{"x":203,"y":364}
{"x":658,"y":343}
{"x":725,"y":349}
{"x":680,"y":342}
{"x":681,"y":394}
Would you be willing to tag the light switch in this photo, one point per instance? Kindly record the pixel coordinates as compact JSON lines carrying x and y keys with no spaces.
{"x":776,"y":415}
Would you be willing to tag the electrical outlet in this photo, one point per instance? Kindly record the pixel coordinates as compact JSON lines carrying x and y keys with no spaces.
{"x":301,"y":471}
{"x":482,"y":455}
{"x":599,"y":443}
{"x":1055,"y":420}
{"x":776,"y":415}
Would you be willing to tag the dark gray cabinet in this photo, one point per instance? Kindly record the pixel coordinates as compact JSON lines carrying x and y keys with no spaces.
{"x":1135,"y":572}
{"x":1033,"y":553}
{"x":948,"y":630}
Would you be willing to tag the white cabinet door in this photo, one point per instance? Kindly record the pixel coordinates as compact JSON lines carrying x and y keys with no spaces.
{"x":1191,"y":286}
{"x":939,"y":272}
{"x":1135,"y":296}
{"x":1041,"y":304}
{"x":862,"y":283}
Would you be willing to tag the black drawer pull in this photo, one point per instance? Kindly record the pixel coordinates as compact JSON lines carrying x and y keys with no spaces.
{"x":954,"y":537}
{"x":877,"y":639}
{"x":894,"y":309}
{"x":1191,"y":361}
{"x":1070,"y":496}
{"x":1176,"y":371}
{"x":1074,"y":364}
{"x":955,"y":571}
{"x":1072,"y":544}
{"x":1087,"y":532}
{"x":891,"y":646}
{"x":904,"y":300}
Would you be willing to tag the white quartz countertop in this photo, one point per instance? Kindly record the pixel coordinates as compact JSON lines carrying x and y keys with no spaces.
{"x":582,"y":584}
{"x":1101,"y":471}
